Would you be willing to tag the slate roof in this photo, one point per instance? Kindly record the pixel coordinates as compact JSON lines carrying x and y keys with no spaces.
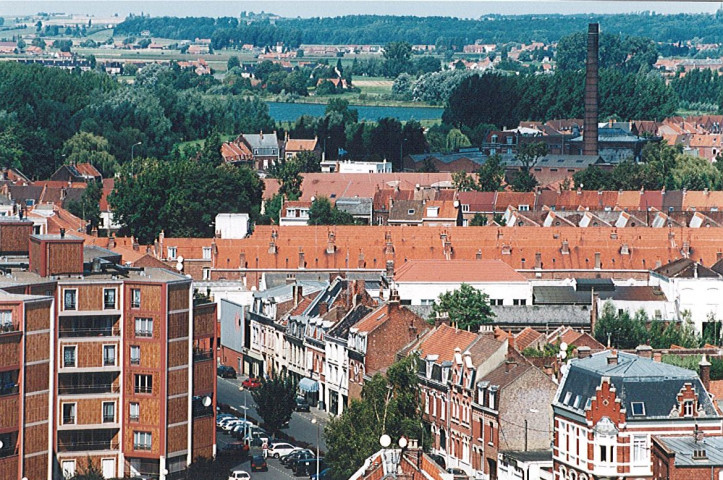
{"x":355,"y":206}
{"x":341,"y":329}
{"x":685,"y":268}
{"x":407,"y":211}
{"x":567,"y":295}
{"x":684,"y":446}
{"x":636,"y":379}
{"x":262,"y":141}
{"x":540,"y":316}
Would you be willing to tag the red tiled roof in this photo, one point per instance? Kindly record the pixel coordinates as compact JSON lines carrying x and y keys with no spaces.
{"x":108,"y":186}
{"x":364,"y":185}
{"x":443,"y":340}
{"x":300,"y":144}
{"x":527,"y":337}
{"x":453,"y":271}
{"x":87,"y":169}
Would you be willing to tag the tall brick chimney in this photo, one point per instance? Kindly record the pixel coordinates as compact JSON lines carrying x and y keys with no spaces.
{"x":589,"y":134}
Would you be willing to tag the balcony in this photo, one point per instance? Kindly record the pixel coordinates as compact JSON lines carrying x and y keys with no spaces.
{"x":90,"y":326}
{"x":88,"y":440}
{"x":87,"y":383}
{"x":9,"y":328}
{"x":201,"y":354}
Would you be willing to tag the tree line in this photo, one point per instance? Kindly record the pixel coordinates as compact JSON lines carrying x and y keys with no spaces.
{"x":443,"y":32}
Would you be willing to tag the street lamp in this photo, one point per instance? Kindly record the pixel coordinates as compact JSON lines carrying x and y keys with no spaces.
{"x":316,"y":422}
{"x":241,"y":389}
{"x":132,"y":147}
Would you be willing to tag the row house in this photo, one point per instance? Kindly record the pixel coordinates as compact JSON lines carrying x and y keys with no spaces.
{"x":481,"y":398}
{"x":610,"y":405}
{"x":116,"y":368}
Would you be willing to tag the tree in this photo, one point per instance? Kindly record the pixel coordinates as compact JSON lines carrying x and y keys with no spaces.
{"x":288,"y":173}
{"x":232,"y":63}
{"x":389,"y":405}
{"x":91,"y":472}
{"x":491,"y":175}
{"x":323,"y":213}
{"x":275,"y":401}
{"x":463,"y":182}
{"x":308,"y":161}
{"x":619,"y":330}
{"x":478,"y":220}
{"x":466,"y":307}
{"x":397,"y":58}
{"x":428,"y":166}
{"x":88,"y":207}
{"x":85,"y":147}
{"x":456,"y":140}
{"x":528,"y":155}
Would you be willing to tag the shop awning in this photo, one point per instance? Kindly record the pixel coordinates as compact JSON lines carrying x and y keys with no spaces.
{"x":308,"y":385}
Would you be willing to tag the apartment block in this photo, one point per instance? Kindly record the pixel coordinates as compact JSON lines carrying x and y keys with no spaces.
{"x":101,"y":363}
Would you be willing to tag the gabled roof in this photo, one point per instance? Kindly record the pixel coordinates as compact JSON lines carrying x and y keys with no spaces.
{"x":686,"y":268}
{"x":407,"y":211}
{"x":457,"y":271}
{"x":262,"y":140}
{"x":478,"y":201}
{"x":334,"y":185}
{"x":443,"y":340}
{"x":300,"y":144}
{"x":510,"y":370}
{"x":527,"y":337}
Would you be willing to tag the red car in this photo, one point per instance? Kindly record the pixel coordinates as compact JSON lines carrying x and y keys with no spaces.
{"x":251,"y":383}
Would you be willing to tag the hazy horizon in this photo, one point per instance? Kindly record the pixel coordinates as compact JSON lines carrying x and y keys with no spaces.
{"x":315,"y":8}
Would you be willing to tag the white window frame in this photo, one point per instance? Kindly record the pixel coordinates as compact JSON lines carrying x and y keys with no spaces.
{"x":172,"y":253}
{"x":6,"y":318}
{"x":68,"y":472}
{"x":142,"y":440}
{"x":206,"y":274}
{"x":74,"y":407}
{"x":141,"y":383}
{"x":115,"y":298}
{"x":75,"y":355}
{"x":74,"y":306}
{"x":102,"y":412}
{"x":131,"y":407}
{"x":688,"y":408}
{"x":135,"y":302}
{"x":132,"y":359}
{"x":639,"y":447}
{"x":207,"y":253}
{"x":115,"y":355}
{"x":144,"y":322}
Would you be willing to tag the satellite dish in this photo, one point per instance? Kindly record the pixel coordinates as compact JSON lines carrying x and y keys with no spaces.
{"x":180,"y":259}
{"x":564,"y":368}
{"x":179,"y":266}
{"x":385,"y":440}
{"x":456,"y":204}
{"x":563,"y":347}
{"x":402,"y":442}
{"x":1,"y":444}
{"x":313,"y":198}
{"x":207,"y":401}
{"x":563,"y":354}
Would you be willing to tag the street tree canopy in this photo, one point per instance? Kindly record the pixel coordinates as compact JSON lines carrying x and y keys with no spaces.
{"x":275,"y":401}
{"x":467,"y":307}
{"x":322,"y":212}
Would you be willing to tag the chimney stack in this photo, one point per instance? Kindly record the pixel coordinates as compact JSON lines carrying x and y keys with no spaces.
{"x":613,"y":357}
{"x":644,"y":351}
{"x":583,"y":351}
{"x":705,"y":372}
{"x":589,"y":134}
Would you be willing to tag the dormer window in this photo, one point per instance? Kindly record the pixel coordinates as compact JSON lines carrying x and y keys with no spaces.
{"x":688,"y":408}
{"x":172,"y":253}
{"x":410,"y":211}
{"x":638,"y":409}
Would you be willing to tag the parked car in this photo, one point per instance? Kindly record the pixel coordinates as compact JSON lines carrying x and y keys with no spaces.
{"x":224,"y":371}
{"x":251,"y":383}
{"x":238,"y":475}
{"x":458,"y":473}
{"x":439,"y":460}
{"x":293,"y":456}
{"x":258,"y":463}
{"x":278,"y":450}
{"x":239,"y":430}
{"x":305,"y":466}
{"x":236,"y":449}
{"x":323,"y":475}
{"x":301,"y":405}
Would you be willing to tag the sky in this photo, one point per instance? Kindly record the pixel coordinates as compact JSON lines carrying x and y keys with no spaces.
{"x":314,"y":8}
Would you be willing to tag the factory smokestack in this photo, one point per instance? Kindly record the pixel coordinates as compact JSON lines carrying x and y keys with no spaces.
{"x":589,"y":135}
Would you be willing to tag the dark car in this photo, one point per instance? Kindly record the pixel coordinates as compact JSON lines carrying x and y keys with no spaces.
{"x":323,"y":475}
{"x":225,"y":372}
{"x":236,"y":449}
{"x":458,"y":473}
{"x":251,"y":383}
{"x":301,"y":405}
{"x":287,"y":460}
{"x":439,"y":460}
{"x":306,"y":466}
{"x":258,"y":464}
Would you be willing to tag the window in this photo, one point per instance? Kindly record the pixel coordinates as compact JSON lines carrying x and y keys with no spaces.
{"x":492,"y":400}
{"x":6,"y":320}
{"x":688,"y":408}
{"x":410,"y":211}
{"x":465,"y":207}
{"x":108,"y":355}
{"x":70,"y":298}
{"x":135,"y":298}
{"x":207,"y":253}
{"x":69,"y":357}
{"x":109,"y":299}
{"x":640,"y":450}
{"x":523,"y":208}
{"x":144,"y":327}
{"x":491,"y":438}
{"x":638,"y":408}
{"x":519,"y":301}
{"x":135,"y":355}
{"x":68,"y":413}
{"x":141,"y":440}
{"x":495,"y":301}
{"x":206,"y":274}
{"x":135,"y":412}
{"x":144,"y":384}
{"x":172,"y":253}
{"x":108,"y":412}
{"x":603,"y":453}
